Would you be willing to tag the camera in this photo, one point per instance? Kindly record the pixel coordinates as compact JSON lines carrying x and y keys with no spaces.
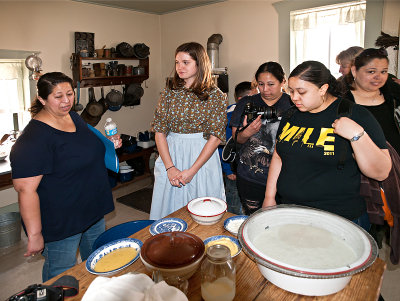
{"x":38,"y":292}
{"x":252,"y":111}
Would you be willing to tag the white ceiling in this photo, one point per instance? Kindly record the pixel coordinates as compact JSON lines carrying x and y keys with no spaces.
{"x":152,"y":6}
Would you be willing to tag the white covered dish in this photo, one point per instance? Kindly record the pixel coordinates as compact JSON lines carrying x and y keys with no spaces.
{"x":207,"y":210}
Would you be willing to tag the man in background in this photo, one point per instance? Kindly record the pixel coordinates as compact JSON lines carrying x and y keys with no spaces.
{"x":232,"y":196}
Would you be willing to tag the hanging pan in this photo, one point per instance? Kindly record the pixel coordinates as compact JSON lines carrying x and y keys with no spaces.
{"x":114,"y":99}
{"x":93,"y":107}
{"x":102,"y":101}
{"x":132,"y":95}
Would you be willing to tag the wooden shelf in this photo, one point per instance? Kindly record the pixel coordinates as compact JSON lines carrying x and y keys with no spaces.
{"x":145,"y":153}
{"x":77,"y":64}
{"x":135,"y":179}
{"x":5,"y":181}
{"x":109,"y":58}
{"x":112,"y":77}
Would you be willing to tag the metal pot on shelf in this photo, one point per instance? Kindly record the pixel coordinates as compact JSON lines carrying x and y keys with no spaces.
{"x":139,"y":70}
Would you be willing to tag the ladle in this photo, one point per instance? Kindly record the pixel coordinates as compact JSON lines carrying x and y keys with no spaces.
{"x":78,"y":106}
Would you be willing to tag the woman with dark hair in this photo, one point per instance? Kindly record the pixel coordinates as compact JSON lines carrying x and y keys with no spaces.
{"x":257,"y":137}
{"x":189,"y":123}
{"x":370,"y":87}
{"x":310,"y":142}
{"x":60,"y":176}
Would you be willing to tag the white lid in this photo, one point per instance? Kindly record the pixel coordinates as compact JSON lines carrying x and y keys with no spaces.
{"x":207,"y":206}
{"x":108,"y":119}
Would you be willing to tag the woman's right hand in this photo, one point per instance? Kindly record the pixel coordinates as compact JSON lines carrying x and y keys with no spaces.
{"x":35,"y":245}
{"x":254,"y":127}
{"x":268,"y":202}
{"x":172,"y":174}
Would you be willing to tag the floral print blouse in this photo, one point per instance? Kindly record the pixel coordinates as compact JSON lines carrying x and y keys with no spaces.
{"x":181,"y":111}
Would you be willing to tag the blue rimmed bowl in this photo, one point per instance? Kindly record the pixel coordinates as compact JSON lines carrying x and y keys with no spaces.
{"x":226,"y":241}
{"x":168,"y":225}
{"x":233,"y":223}
{"x":110,"y":247}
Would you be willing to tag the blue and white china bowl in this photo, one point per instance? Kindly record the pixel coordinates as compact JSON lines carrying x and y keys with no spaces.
{"x":167,"y":225}
{"x":110,"y":247}
{"x":218,"y":237}
{"x":232,"y":224}
{"x":207,"y":210}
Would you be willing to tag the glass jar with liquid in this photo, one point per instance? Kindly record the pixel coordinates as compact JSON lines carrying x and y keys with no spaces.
{"x":218,"y":275}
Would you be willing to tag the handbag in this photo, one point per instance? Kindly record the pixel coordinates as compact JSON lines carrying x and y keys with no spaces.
{"x":229,"y":151}
{"x":231,"y":148}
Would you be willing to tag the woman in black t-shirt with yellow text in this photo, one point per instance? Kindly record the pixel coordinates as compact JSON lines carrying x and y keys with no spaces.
{"x":304,"y":168}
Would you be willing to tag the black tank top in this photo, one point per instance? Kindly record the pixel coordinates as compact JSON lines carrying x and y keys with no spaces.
{"x":384,"y":114}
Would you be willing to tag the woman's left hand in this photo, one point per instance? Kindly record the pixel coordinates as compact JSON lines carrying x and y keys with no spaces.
{"x":185,"y":176}
{"x":119,"y":144}
{"x":346,"y":128}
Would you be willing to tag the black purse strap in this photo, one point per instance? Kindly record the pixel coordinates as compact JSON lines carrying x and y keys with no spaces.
{"x":69,"y":284}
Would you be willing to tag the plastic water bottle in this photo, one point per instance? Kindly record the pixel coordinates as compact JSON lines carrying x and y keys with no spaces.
{"x":111,"y":131}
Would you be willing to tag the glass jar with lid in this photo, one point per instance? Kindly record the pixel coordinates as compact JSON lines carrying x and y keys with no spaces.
{"x":218,"y":275}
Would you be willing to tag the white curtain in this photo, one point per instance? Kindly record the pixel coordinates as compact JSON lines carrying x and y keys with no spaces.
{"x":320,"y":34}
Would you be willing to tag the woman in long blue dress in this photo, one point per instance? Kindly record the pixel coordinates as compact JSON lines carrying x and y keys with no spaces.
{"x":189,"y":124}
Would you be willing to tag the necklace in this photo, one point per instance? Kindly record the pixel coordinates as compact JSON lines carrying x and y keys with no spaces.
{"x":375,"y":98}
{"x":367,"y":99}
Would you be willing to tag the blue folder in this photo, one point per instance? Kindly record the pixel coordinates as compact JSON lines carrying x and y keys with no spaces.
{"x":110,"y":158}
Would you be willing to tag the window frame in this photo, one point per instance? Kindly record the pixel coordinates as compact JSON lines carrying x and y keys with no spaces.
{"x":374,"y":13}
{"x":20,"y":56}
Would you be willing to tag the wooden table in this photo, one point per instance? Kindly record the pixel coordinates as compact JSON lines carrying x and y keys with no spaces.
{"x":250,"y":284}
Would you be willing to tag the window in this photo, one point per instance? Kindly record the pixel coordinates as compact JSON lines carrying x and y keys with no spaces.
{"x":14,"y":95}
{"x":321,"y":33}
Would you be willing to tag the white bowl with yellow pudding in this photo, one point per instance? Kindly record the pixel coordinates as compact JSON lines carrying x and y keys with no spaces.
{"x":113,"y":257}
{"x":225,"y":240}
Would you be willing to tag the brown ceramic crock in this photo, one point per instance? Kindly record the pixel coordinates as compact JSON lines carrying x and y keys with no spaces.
{"x":172,"y":249}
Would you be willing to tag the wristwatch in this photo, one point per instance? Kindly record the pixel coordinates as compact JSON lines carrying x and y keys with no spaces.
{"x":356,"y":137}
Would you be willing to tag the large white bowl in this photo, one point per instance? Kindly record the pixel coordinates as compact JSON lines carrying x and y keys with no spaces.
{"x":207,"y":210}
{"x":299,"y":279}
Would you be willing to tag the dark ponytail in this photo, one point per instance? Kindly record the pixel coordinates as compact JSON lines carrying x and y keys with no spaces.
{"x":271,"y":67}
{"x":45,"y":86}
{"x":317,"y":74}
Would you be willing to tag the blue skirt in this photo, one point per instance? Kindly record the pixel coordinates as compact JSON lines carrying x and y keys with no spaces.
{"x":184,"y":150}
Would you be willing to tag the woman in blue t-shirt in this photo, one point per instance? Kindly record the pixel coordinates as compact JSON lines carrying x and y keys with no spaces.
{"x":309,"y":145}
{"x":59,"y":173}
